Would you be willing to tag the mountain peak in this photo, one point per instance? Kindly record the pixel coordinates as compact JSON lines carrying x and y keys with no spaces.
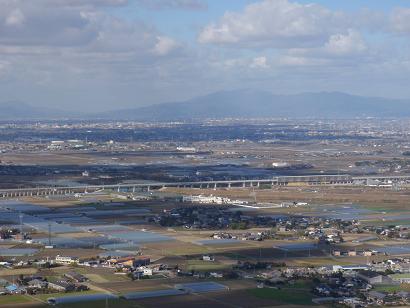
{"x":241,"y":103}
{"x":250,"y":103}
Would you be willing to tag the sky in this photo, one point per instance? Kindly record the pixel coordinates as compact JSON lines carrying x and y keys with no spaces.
{"x":96,"y":55}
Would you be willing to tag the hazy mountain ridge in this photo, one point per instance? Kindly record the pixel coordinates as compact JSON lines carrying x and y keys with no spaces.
{"x":257,"y":104}
{"x":17,"y":110}
{"x":234,"y":104}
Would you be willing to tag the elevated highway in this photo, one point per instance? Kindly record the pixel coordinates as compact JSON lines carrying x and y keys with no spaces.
{"x":343,"y":179}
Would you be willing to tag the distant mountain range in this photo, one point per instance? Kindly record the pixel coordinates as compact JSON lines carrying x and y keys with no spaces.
{"x":16,"y":110}
{"x":237,"y":104}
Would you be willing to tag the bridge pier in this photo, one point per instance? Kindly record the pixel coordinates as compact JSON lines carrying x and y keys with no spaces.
{"x":273,"y":181}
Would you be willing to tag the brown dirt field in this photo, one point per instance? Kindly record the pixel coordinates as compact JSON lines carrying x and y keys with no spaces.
{"x":17,"y":271}
{"x":173,"y":248}
{"x":141,"y":285}
{"x":311,"y":194}
{"x":272,"y":254}
{"x":43,"y":158}
{"x":31,"y":305}
{"x":238,"y":299}
{"x":81,"y":253}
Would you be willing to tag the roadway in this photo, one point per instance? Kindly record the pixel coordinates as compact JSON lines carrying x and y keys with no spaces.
{"x":343,"y":179}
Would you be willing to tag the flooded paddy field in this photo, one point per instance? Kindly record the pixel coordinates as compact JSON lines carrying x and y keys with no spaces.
{"x":77,"y":227}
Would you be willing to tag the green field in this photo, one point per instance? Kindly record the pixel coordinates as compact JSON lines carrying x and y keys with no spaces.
{"x":301,"y":285}
{"x":392,"y":288}
{"x":22,"y":299}
{"x":186,"y":250}
{"x":233,"y":255}
{"x":44,"y":297}
{"x":113,"y":303}
{"x":199,"y":265}
{"x":14,"y":299}
{"x":284,"y":296}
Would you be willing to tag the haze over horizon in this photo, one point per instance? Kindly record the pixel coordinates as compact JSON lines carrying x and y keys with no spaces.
{"x":97,"y":55}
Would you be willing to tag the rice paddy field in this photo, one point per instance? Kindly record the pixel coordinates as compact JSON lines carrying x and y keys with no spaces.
{"x":103,"y":228}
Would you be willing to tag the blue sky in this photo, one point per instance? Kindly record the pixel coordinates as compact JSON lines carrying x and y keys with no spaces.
{"x":108,"y":54}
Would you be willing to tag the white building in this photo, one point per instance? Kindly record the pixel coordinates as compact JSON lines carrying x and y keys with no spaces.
{"x":401,"y":278}
{"x":206,"y":199}
{"x":146,"y":271}
{"x":186,"y":149}
{"x":66,"y":260}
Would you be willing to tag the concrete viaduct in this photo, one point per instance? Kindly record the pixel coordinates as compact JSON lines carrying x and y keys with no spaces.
{"x":274,"y":181}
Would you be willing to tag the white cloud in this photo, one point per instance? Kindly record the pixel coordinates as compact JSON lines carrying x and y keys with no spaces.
{"x":79,"y":40}
{"x":173,"y":4}
{"x":83,"y":3}
{"x":293,"y":61}
{"x":346,"y":44}
{"x":15,"y":18}
{"x":259,"y":63}
{"x":274,"y":23}
{"x":164,"y":45}
{"x":90,"y":50}
{"x":4,"y":68}
{"x":400,"y":20}
{"x":34,"y":24}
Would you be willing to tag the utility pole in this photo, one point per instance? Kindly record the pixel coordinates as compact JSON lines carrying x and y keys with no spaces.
{"x":21,"y":224}
{"x":49,"y":234}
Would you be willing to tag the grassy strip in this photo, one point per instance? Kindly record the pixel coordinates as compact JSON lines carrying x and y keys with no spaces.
{"x":285,"y":296}
{"x":46,"y":296}
{"x":14,"y":299}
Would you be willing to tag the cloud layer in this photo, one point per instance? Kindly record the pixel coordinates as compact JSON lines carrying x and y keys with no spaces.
{"x":308,"y":46}
{"x":107,"y":54}
{"x":274,"y":23}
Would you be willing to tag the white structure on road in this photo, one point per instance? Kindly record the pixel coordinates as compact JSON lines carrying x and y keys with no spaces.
{"x":211,"y":200}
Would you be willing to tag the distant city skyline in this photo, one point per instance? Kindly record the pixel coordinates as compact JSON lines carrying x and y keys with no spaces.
{"x":112,"y":54}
